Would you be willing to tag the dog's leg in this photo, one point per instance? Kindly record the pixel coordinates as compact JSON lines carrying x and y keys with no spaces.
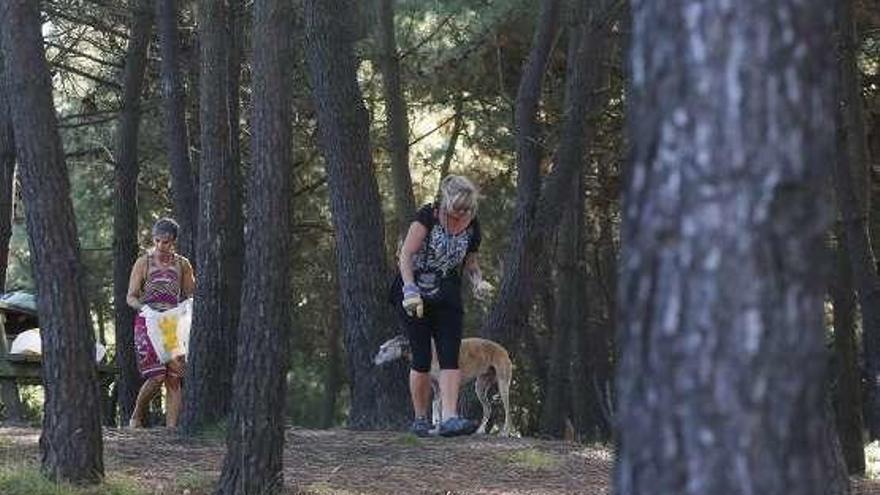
{"x":436,"y":405}
{"x":481,"y":387}
{"x":505,"y":374}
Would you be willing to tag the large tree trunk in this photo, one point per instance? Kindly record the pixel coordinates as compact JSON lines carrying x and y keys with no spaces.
{"x":379,"y":397}
{"x":208,"y":387}
{"x":332,"y":371}
{"x":176,"y":136}
{"x":125,"y":204}
{"x":721,"y":376}
{"x":848,"y":410}
{"x":255,"y":443}
{"x":396,"y":120}
{"x":8,"y":390}
{"x":70,"y":444}
{"x":848,"y":172}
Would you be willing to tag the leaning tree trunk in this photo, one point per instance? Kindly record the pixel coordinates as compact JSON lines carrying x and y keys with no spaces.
{"x":8,"y":390}
{"x":510,"y":311}
{"x":851,"y":200}
{"x":208,"y":387}
{"x":125,"y":205}
{"x":848,"y":402}
{"x":70,"y":443}
{"x":721,"y":377}
{"x":255,"y":440}
{"x":396,"y":120}
{"x":379,"y":398}
{"x":176,"y":140}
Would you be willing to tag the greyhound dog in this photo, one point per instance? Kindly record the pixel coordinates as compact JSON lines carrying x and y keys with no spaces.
{"x":479,"y":359}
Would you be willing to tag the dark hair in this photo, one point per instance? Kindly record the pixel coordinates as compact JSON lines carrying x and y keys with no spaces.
{"x":165,"y":226}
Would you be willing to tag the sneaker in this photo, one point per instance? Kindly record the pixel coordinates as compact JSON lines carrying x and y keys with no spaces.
{"x":421,"y":427}
{"x":456,"y":426}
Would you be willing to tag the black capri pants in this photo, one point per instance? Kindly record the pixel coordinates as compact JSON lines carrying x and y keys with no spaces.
{"x":442,"y":323}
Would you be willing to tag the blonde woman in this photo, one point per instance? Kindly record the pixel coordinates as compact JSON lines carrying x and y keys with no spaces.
{"x":440,"y":249}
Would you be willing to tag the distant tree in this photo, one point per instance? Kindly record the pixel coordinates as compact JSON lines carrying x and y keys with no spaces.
{"x":176,"y":136}
{"x":721,"y":377}
{"x":850,"y":179}
{"x":255,"y":442}
{"x":379,"y":398}
{"x":70,"y":443}
{"x":847,"y":379}
{"x":211,"y":359}
{"x":396,"y":119}
{"x":125,"y":203}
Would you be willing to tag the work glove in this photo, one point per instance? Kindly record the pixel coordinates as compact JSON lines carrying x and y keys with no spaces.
{"x":412,"y":301}
{"x":483,"y":290}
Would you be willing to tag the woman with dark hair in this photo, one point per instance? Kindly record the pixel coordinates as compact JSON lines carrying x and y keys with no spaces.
{"x":440,"y":246}
{"x":160,"y":280}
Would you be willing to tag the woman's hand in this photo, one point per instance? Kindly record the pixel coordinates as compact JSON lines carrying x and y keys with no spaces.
{"x":412,"y":301}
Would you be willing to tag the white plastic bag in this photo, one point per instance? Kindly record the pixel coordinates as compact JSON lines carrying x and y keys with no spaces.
{"x":27,"y":342}
{"x":168,"y":331}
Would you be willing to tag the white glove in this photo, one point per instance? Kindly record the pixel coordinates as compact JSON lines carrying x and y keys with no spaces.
{"x":483,"y":291}
{"x":412,"y":301}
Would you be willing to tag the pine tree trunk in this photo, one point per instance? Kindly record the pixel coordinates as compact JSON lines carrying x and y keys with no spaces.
{"x":379,"y":397}
{"x":569,"y":315}
{"x":721,"y":377}
{"x":8,"y":390}
{"x":70,"y":444}
{"x":333,"y":372}
{"x":396,"y":120}
{"x":125,"y":218}
{"x":208,"y":386}
{"x":176,"y":135}
{"x":848,"y":170}
{"x":255,"y":443}
{"x":848,"y":401}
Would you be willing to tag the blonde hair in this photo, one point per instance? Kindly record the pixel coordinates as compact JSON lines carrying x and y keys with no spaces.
{"x":457,"y":192}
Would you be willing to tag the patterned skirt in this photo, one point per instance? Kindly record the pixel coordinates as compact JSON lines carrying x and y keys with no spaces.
{"x":147,"y":361}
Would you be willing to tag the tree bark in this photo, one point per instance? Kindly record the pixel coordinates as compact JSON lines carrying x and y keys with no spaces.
{"x":70,"y":444}
{"x":255,"y":443}
{"x":125,"y":204}
{"x":379,"y":398}
{"x":850,"y":162}
{"x":8,"y":390}
{"x":396,"y":120}
{"x":176,"y":134}
{"x":721,"y":377}
{"x":848,"y":411}
{"x":208,"y":387}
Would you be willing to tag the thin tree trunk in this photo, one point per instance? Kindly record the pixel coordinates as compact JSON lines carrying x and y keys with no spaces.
{"x":379,"y":398}
{"x":125,"y":205}
{"x":333,"y":372}
{"x":397,"y":122}
{"x":208,"y":387}
{"x":848,"y":411}
{"x":176,"y":135}
{"x":8,"y":390}
{"x":255,"y":443}
{"x":721,"y":378}
{"x":457,"y":127}
{"x":70,"y":444}
{"x":508,"y":314}
{"x":848,"y":167}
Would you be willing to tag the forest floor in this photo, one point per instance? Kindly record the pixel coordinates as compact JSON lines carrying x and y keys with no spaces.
{"x":343,"y":462}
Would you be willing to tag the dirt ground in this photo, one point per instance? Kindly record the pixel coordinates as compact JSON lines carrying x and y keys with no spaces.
{"x":342,"y":462}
